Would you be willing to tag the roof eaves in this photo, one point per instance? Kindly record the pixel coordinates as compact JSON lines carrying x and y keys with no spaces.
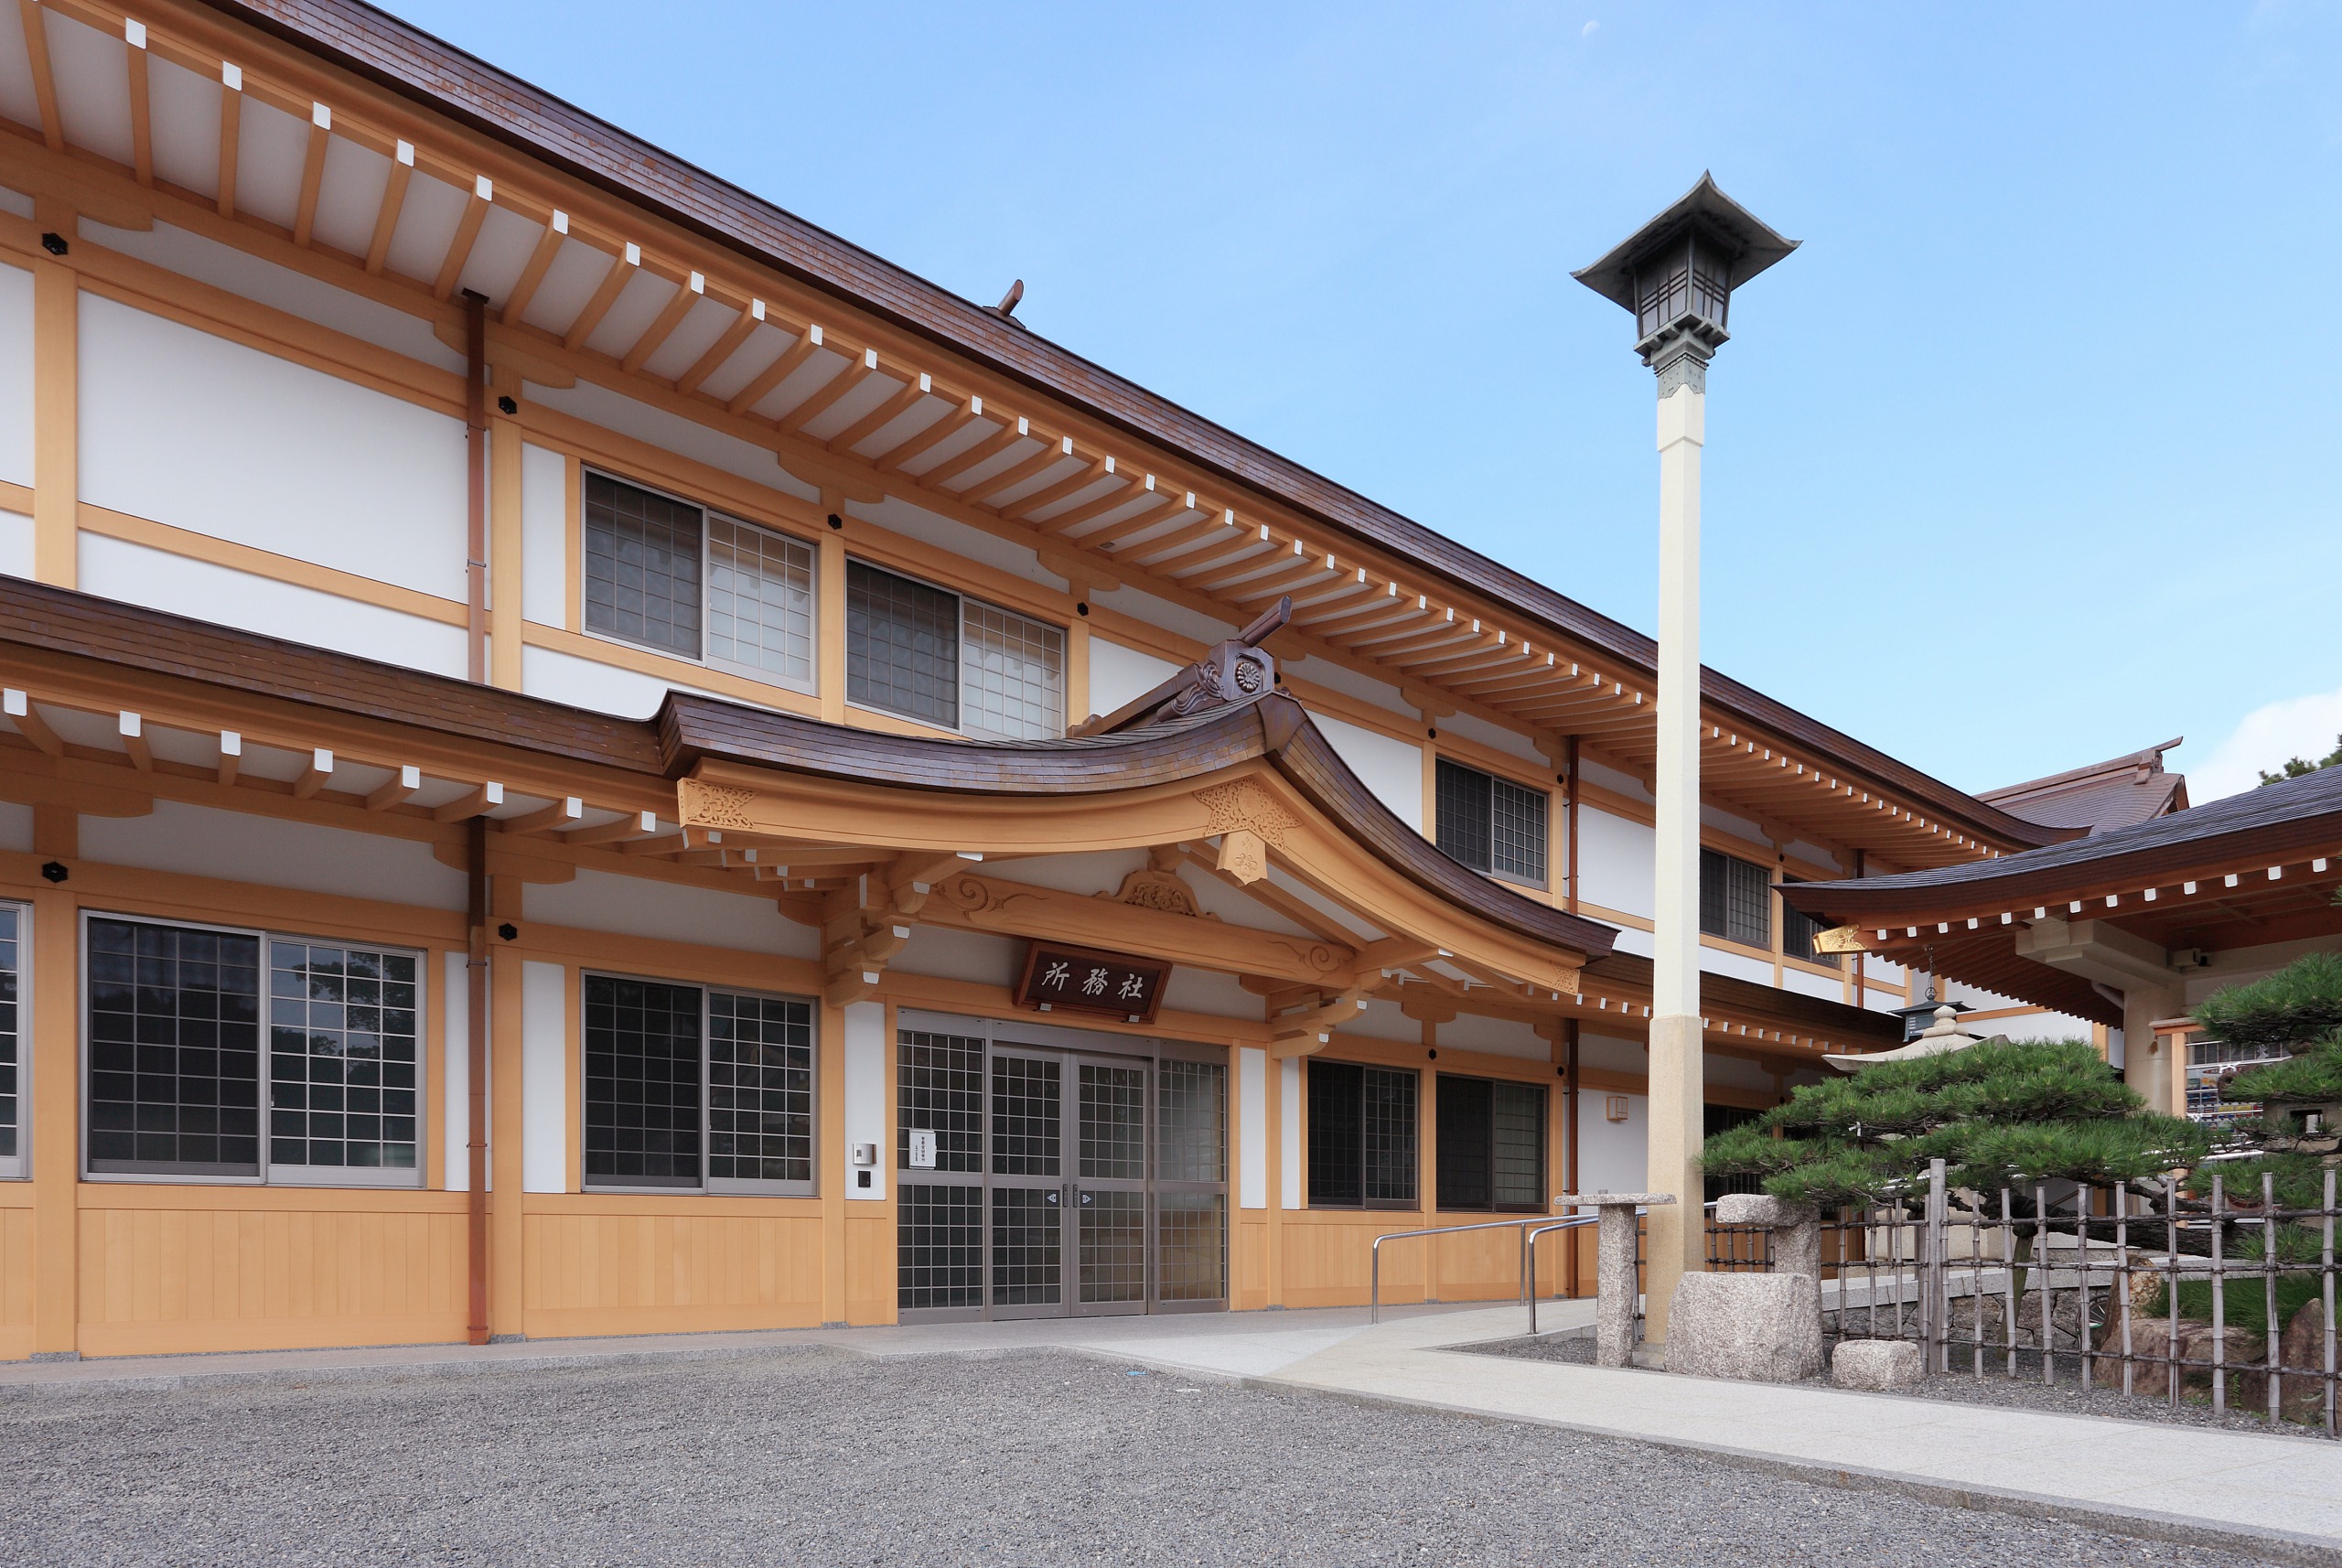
{"x":447,"y":80}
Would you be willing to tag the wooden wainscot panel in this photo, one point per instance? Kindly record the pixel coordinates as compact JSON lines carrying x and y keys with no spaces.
{"x":171,"y":1279}
{"x":1328,"y":1253}
{"x":1249,"y":1265}
{"x":870,"y":1295}
{"x":1479,"y":1265}
{"x":16,"y":1283}
{"x":634,"y":1272}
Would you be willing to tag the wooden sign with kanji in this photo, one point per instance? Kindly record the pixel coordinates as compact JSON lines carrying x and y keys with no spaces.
{"x":1059,"y":978}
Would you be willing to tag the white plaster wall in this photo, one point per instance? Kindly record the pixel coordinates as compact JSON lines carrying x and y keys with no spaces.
{"x":198,"y":841}
{"x":1612,"y":1156}
{"x":672,"y":433}
{"x":947,"y":954}
{"x":296,"y":294}
{"x":950,"y":538}
{"x":1289,"y":1132}
{"x":181,"y":427}
{"x":583,"y":683}
{"x":1616,"y":868}
{"x":1821,"y":985}
{"x":15,"y":826}
{"x":1716,"y":817}
{"x":15,"y":375}
{"x":1716,"y":961}
{"x":1498,"y":1037}
{"x":544,"y":1076}
{"x":1193,"y":989}
{"x":545,"y":536}
{"x":15,"y":544}
{"x":1146,"y":607}
{"x":1350,"y":682}
{"x":1391,"y":767}
{"x":116,"y":569}
{"x":866,"y":1098}
{"x":670,"y":911}
{"x":455,"y":1091}
{"x":1512,"y":743}
{"x":1118,"y":674}
{"x":1251,"y":1127}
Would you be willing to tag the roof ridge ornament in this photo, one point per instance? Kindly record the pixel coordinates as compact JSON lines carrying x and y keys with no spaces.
{"x":1232,"y":672}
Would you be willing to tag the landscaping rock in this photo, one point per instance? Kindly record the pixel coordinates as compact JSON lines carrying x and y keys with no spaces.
{"x":1796,"y":1228}
{"x":2151,"y":1341}
{"x":1876,"y":1365}
{"x":2301,"y":1357}
{"x":1757,"y":1328}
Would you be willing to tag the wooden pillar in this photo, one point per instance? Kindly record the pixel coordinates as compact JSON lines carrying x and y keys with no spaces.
{"x":56,"y":1093}
{"x":56,"y":371}
{"x":832,"y":1168}
{"x":507,"y":1232}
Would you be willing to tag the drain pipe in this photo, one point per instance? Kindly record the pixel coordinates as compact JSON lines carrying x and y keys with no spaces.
{"x":476,"y":829}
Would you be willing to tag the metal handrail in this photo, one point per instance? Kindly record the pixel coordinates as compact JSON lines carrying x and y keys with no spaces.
{"x":1527,"y":1280}
{"x":1572,"y":1223}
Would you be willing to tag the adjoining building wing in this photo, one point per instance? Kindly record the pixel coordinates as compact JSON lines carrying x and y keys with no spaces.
{"x":2110,"y":794}
{"x":2127,"y":927}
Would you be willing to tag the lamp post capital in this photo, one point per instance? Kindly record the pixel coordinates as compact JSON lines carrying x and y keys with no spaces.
{"x":1677,"y":273}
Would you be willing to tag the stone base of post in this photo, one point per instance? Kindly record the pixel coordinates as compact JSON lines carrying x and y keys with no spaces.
{"x":1615,"y":1283}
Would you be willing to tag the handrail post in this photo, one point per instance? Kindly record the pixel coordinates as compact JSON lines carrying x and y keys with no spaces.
{"x":1374,"y":1282}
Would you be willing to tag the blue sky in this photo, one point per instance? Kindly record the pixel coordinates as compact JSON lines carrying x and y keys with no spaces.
{"x":2022,"y":461}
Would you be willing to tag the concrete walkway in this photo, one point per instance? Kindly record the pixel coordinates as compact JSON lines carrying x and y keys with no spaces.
{"x":2276,"y":1496}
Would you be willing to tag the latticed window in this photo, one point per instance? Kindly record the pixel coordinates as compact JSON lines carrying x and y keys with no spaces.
{"x":902,"y":646}
{"x":1362,"y":1136}
{"x":1490,"y":824}
{"x":186,"y":1077}
{"x":1011,"y":674}
{"x":759,"y":601}
{"x":669,"y":574}
{"x":1736,"y":899}
{"x":699,"y":1090}
{"x":957,"y":663}
{"x":642,"y":565}
{"x":1491,"y":1145}
{"x":342,"y":1055}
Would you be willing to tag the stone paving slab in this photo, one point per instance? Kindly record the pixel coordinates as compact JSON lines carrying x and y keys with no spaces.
{"x":2270,"y":1492}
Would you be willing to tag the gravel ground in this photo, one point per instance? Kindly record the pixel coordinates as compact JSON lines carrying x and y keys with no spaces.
{"x":812,"y":1456}
{"x":2026,"y":1391}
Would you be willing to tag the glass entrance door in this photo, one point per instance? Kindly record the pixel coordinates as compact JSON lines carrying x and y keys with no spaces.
{"x":1044,"y":1180}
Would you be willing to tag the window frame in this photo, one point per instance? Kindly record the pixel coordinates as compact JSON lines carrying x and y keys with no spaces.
{"x":1792,"y":920}
{"x":709,"y":1186}
{"x":1413,"y":1201}
{"x":18,"y":1166}
{"x":270,"y":1172}
{"x":1764,"y":943}
{"x":1539,"y":1204}
{"x":703,"y":658}
{"x":1545,"y":796}
{"x":959,"y":658}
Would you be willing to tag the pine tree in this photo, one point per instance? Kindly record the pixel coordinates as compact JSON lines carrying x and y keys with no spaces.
{"x":2000,"y":1113}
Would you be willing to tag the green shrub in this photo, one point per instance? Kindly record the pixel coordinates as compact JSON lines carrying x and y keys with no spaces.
{"x":2299,"y":1002}
{"x":2245,"y":1302}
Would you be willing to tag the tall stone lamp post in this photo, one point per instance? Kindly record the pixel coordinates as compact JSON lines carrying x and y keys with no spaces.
{"x":1676,"y":273}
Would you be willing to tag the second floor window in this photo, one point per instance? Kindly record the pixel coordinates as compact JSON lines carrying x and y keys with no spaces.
{"x":666,"y":574}
{"x":953,"y":662}
{"x":1798,"y":931}
{"x":1490,"y":824}
{"x":1736,"y":899}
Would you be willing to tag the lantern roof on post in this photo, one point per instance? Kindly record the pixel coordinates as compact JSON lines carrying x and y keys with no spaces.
{"x":1677,"y":273}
